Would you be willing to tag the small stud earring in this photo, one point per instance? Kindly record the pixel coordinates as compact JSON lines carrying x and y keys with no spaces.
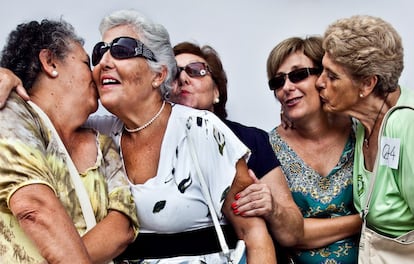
{"x":216,"y":100}
{"x":361,"y":95}
{"x":155,"y":85}
{"x":54,"y":73}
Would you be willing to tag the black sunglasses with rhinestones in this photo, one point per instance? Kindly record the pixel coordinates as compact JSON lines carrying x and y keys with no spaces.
{"x":294,"y":76}
{"x":122,"y":48}
{"x":194,"y":69}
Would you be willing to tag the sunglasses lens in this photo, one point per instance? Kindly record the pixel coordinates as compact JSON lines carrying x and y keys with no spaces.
{"x":196,"y":69}
{"x":298,"y":75}
{"x":123,"y":48}
{"x":295,"y":76}
{"x":277,"y":82}
{"x":98,"y":51}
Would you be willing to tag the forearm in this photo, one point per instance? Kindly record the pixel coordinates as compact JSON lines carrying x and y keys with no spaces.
{"x":252,"y":230}
{"x":286,"y":225}
{"x":109,"y":238}
{"x":55,"y":237}
{"x":285,"y":220}
{"x":259,"y":244}
{"x":322,"y":232}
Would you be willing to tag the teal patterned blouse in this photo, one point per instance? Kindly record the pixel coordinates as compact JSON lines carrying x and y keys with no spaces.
{"x":320,"y":197}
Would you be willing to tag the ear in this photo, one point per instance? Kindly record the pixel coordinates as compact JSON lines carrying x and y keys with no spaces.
{"x":216,"y":91}
{"x":159,"y":77}
{"x":47,"y":62}
{"x":368,"y":84}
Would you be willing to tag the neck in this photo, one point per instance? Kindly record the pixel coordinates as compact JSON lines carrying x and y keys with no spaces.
{"x":379,"y":116}
{"x":147,"y":123}
{"x":312,"y":128}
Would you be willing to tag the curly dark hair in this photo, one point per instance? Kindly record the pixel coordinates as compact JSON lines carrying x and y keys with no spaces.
{"x":21,"y":52}
{"x":218,"y":74}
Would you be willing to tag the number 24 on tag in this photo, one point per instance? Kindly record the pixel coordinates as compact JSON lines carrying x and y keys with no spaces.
{"x":390,"y":152}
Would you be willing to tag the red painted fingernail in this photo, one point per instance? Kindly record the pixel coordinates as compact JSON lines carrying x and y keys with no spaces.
{"x":237,"y":197}
{"x":235,"y":211}
{"x":234,"y":205}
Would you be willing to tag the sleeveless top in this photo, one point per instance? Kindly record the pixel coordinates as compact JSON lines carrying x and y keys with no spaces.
{"x":320,"y":197}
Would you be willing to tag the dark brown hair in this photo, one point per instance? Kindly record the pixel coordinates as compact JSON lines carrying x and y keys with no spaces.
{"x":216,"y":68}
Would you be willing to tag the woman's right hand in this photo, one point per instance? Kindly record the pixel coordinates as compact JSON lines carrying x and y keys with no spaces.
{"x":8,"y":82}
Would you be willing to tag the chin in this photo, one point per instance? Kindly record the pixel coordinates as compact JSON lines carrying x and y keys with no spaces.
{"x":327,"y":108}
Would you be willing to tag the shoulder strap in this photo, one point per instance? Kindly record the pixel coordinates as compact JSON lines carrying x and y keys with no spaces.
{"x":79,"y":187}
{"x":206,"y":194}
{"x":367,"y":201}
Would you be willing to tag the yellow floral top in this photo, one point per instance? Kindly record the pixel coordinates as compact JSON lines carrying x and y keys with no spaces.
{"x":29,"y":155}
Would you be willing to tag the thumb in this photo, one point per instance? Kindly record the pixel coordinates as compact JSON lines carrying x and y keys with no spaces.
{"x":22,"y":92}
{"x":253,"y":176}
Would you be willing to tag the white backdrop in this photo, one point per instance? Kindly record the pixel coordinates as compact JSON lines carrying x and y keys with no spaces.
{"x":242,"y":31}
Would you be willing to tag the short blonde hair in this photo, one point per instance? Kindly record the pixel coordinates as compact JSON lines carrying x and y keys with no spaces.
{"x":367,"y":46}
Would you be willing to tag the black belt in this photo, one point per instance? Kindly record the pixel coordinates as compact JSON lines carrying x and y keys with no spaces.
{"x":191,"y":243}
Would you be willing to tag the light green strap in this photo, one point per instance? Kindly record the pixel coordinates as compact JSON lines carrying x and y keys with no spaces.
{"x":367,"y":201}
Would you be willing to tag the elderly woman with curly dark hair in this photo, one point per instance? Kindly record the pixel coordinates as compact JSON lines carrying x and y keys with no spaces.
{"x":51,"y":168}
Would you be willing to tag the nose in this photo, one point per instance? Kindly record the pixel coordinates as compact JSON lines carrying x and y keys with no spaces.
{"x":320,"y":82}
{"x":105,"y":57}
{"x":288,"y":85}
{"x":183,"y":78}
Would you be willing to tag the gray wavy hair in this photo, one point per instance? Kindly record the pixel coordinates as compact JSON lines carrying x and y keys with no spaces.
{"x":154,"y":36}
{"x":367,"y":46}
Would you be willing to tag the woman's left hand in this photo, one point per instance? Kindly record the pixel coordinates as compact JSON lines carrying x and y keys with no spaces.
{"x":255,"y":200}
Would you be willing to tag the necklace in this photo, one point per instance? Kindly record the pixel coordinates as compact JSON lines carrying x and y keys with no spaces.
{"x":133,"y":130}
{"x":366,"y":140}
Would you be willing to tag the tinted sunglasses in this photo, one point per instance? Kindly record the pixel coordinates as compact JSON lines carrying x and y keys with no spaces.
{"x":194,"y":69}
{"x":122,"y":48}
{"x":295,"y":76}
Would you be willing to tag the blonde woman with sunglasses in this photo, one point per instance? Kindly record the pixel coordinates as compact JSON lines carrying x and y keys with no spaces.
{"x":316,"y":155}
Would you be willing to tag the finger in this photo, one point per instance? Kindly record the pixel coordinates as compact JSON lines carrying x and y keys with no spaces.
{"x":252,"y":188}
{"x":256,"y":208}
{"x":253,"y":176}
{"x":22,"y":92}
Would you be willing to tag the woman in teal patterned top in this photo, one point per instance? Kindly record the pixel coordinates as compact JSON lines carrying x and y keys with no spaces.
{"x":316,"y":155}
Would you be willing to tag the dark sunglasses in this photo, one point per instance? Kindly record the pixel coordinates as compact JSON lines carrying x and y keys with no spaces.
{"x":194,"y":69}
{"x":295,"y":76}
{"x":122,"y":48}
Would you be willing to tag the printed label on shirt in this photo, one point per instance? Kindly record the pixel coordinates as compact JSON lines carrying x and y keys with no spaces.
{"x":390,"y":152}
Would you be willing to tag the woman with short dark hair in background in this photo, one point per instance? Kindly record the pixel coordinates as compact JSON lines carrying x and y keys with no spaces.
{"x":202,"y":84}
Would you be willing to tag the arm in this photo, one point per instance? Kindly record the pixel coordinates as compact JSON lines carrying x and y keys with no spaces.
{"x":121,"y":222}
{"x":8,"y":82}
{"x":320,"y":232}
{"x":271,"y":198}
{"x":55,"y":237}
{"x":115,"y":225}
{"x":252,"y":230}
